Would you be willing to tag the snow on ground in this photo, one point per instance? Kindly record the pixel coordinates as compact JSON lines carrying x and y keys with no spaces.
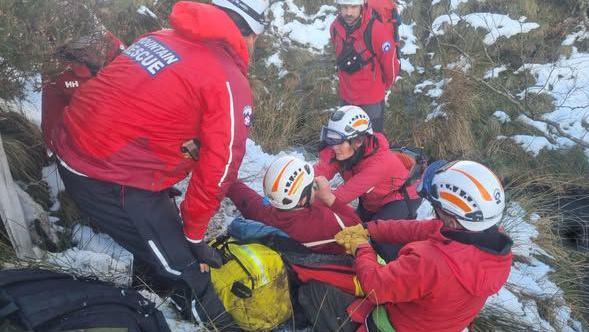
{"x":567,"y":82}
{"x":308,"y":30}
{"x":143,"y":10}
{"x":497,"y":25}
{"x":529,"y":277}
{"x":494,"y":72}
{"x":502,"y":116}
{"x":51,"y":176}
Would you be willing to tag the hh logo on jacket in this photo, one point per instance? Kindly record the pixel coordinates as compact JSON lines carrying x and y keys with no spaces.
{"x":152,"y":55}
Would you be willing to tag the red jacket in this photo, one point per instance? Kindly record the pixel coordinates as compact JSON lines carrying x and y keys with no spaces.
{"x":57,"y":92}
{"x":367,"y":85}
{"x":128,"y":124}
{"x":376,"y":177}
{"x":305,"y":225}
{"x":438,"y":283}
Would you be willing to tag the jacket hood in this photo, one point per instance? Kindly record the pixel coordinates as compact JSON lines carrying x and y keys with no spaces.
{"x":207,"y":23}
{"x":481,"y":261}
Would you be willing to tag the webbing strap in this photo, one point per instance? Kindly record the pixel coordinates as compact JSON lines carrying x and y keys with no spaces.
{"x":339,"y":221}
{"x":318,"y":243}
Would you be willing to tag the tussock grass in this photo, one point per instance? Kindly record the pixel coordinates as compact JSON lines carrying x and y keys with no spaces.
{"x":540,"y":195}
{"x":24,"y":146}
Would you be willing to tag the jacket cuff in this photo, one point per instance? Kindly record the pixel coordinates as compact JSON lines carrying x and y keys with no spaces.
{"x":194,"y":233}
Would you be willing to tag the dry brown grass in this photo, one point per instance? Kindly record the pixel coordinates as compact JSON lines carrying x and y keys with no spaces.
{"x":24,"y":146}
{"x":451,"y":136}
{"x":539,"y":196}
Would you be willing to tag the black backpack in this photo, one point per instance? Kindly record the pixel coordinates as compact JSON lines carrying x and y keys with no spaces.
{"x":45,"y":301}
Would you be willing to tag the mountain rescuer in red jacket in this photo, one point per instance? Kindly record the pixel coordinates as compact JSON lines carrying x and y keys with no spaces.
{"x":290,"y":205}
{"x":444,"y":273}
{"x":177,"y":101}
{"x":80,"y":60}
{"x":366,"y":58}
{"x":371,"y":171}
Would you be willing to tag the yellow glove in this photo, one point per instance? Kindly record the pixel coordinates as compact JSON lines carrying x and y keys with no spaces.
{"x":354,"y":231}
{"x":352,"y":244}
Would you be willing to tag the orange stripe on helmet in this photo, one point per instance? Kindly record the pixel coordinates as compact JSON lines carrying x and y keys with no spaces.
{"x":277,"y":180}
{"x":456,"y":201}
{"x":296,"y":183}
{"x":360,"y":122}
{"x":482,"y":190}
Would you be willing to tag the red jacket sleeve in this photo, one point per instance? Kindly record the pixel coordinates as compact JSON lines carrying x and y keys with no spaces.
{"x":405,"y":279}
{"x":386,"y":53}
{"x":222,"y":139}
{"x":248,"y":202}
{"x":346,"y":213}
{"x":325,"y":166}
{"x":363,"y":181}
{"x":402,"y":231}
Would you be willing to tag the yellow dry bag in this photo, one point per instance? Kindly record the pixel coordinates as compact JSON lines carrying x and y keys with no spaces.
{"x":253,"y":285}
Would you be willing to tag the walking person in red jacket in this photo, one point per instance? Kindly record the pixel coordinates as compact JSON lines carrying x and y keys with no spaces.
{"x":366,"y":58}
{"x":291,"y":189}
{"x":177,"y":101}
{"x":371,"y":171}
{"x":446,"y":270}
{"x":80,"y":60}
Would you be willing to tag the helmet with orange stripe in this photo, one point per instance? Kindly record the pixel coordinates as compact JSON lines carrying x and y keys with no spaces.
{"x":287,"y":181}
{"x":344,"y":124}
{"x":466,"y":190}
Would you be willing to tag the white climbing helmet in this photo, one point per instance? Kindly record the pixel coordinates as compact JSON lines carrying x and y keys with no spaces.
{"x":350,"y":2}
{"x":287,"y":180}
{"x":252,"y":11}
{"x":344,"y":124}
{"x":467,"y":190}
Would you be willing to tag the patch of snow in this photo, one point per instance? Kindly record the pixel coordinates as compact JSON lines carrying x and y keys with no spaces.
{"x":406,"y":66}
{"x":143,"y":10}
{"x":440,"y":21}
{"x":436,"y":89}
{"x":494,"y":72}
{"x":95,"y":254}
{"x":567,"y":81}
{"x":51,"y":176}
{"x":530,"y":279}
{"x":408,"y":38}
{"x":436,"y":113}
{"x":533,"y":144}
{"x":502,"y":116}
{"x":576,"y":36}
{"x":497,"y":25}
{"x":308,"y":30}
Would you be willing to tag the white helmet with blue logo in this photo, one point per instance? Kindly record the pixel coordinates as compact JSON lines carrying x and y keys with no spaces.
{"x":466,"y":190}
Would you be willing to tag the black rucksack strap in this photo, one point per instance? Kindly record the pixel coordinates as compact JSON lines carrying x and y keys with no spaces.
{"x":368,"y":33}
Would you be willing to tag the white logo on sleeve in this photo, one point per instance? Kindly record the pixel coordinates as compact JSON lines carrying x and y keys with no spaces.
{"x":386,"y":46}
{"x":247,"y":115}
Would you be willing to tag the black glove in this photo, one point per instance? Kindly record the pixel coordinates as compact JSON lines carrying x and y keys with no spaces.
{"x":206,"y":254}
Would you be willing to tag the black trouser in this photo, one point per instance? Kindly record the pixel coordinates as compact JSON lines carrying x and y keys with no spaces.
{"x":325,"y":307}
{"x":397,"y":210}
{"x":375,"y":113}
{"x":148,"y":225}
